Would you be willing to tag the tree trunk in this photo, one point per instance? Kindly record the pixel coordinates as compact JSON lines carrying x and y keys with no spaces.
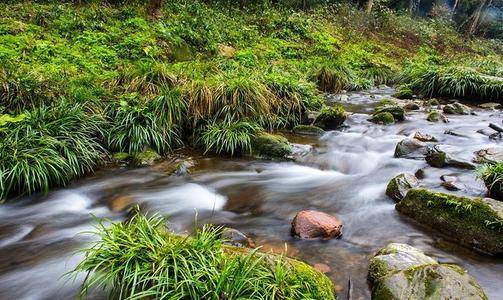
{"x":370,"y":3}
{"x":475,"y":17}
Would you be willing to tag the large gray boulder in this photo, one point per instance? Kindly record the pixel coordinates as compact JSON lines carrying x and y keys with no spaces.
{"x":399,"y":186}
{"x":400,"y":271}
{"x":470,"y":221}
{"x":410,"y":148}
{"x":457,"y":109}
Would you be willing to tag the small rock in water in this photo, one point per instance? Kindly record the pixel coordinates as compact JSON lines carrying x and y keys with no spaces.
{"x":308,"y":130}
{"x":424,"y":137}
{"x":452,"y":186}
{"x":457,"y":109}
{"x":410,"y":148}
{"x":454,"y":133}
{"x":490,"y":105}
{"x":438,"y":158}
{"x":489,"y":155}
{"x":236,"y":238}
{"x":310,"y":224}
{"x":323,"y":268}
{"x":399,"y":186}
{"x":435,"y":116}
{"x":411,"y":106}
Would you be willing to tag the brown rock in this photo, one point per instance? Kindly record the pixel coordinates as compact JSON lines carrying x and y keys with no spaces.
{"x":323,"y":268}
{"x":424,"y":137}
{"x":309,"y":224}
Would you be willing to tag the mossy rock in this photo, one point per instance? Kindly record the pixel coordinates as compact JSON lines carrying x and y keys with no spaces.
{"x":438,"y":158}
{"x":386,"y":102}
{"x":330,"y":118}
{"x":146,"y":158}
{"x":432,"y":102}
{"x":400,"y":271}
{"x":397,"y":112}
{"x":121,"y":156}
{"x":308,"y":130}
{"x":471,"y":221}
{"x":457,"y":109}
{"x":384,"y":118}
{"x":271,"y":145}
{"x":404,"y":93}
{"x":398,"y":186}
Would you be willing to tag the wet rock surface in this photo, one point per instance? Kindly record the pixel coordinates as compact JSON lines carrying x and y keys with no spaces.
{"x":399,"y":186}
{"x":410,"y":148}
{"x":309,"y":224}
{"x":438,"y":158}
{"x":399,"y":271}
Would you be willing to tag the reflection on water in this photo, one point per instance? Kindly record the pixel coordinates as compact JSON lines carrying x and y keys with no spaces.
{"x":344,"y":172}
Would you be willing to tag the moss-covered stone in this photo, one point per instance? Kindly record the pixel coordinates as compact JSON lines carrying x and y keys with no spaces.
{"x":438,"y":158}
{"x":397,"y":112}
{"x":457,"y":109}
{"x":308,"y":130}
{"x":146,"y":158}
{"x":432,"y":102}
{"x":400,"y":271}
{"x":403,"y":93}
{"x":471,"y":221}
{"x":330,"y":117}
{"x":121,"y":156}
{"x":271,"y":145}
{"x":384,"y":118}
{"x":386,"y":102}
{"x":398,"y":186}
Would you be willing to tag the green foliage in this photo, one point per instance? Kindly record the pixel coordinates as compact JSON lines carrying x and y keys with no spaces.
{"x":228,"y":137}
{"x":383,"y":118}
{"x":330,"y":117}
{"x":48,"y":147}
{"x":334,"y":77}
{"x":492,"y":175}
{"x":141,"y":259}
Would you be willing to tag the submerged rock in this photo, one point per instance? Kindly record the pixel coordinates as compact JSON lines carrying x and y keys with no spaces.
{"x":330,"y":118}
{"x":471,"y":221}
{"x":398,"y":186}
{"x":309,"y":224}
{"x":308,"y":130}
{"x":438,"y":158}
{"x":271,"y":145}
{"x":410,"y":148}
{"x":400,"y":271}
{"x":489,"y":155}
{"x":383,"y":118}
{"x":457,"y":109}
{"x":236,"y":238}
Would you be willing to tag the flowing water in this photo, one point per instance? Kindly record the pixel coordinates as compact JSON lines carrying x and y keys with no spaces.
{"x":344,"y":172}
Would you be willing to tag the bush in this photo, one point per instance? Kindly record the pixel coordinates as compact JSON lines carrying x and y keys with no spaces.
{"x":228,"y":137}
{"x":492,"y":175}
{"x":334,"y":78}
{"x":141,"y":259}
{"x":48,"y":147}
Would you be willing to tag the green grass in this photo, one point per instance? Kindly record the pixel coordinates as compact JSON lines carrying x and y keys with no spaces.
{"x":228,"y":137}
{"x":492,"y":175}
{"x":140,"y":259}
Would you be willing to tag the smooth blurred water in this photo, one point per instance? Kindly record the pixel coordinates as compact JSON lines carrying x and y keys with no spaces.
{"x":344,"y":172}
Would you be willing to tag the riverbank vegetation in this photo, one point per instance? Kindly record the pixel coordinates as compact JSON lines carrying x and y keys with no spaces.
{"x":140,"y":259}
{"x":82,"y":80}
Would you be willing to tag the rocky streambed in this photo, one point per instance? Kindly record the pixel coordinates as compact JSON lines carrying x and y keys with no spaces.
{"x":343,"y":173}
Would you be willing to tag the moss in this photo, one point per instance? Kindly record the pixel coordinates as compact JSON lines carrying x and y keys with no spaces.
{"x":397,"y":112}
{"x":383,"y":118}
{"x":121,"y":156}
{"x":433,"y":116}
{"x":317,"y":283}
{"x":432,"y":102}
{"x":330,"y":117}
{"x":146,"y":158}
{"x":271,"y":145}
{"x":308,"y":130}
{"x":456,"y":109}
{"x":403,"y":93}
{"x":473,"y":222}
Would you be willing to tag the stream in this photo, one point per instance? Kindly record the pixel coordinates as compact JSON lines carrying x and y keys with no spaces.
{"x":343,"y":172}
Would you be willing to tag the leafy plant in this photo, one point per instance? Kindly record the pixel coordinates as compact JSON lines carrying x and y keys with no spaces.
{"x":228,"y":137}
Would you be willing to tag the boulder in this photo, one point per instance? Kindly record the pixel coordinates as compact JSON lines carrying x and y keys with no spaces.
{"x":383,"y":118}
{"x":271,"y":145}
{"x":308,"y":130}
{"x":146,"y":158}
{"x":489,"y":155}
{"x":471,"y":221}
{"x":438,"y":158}
{"x":397,"y":112}
{"x":411,"y":106}
{"x":435,"y":116}
{"x":398,"y":186}
{"x":410,"y":148}
{"x":330,"y":117}
{"x":424,"y":137}
{"x":309,"y":224}
{"x":432,"y":102}
{"x":403,"y":93}
{"x":457,"y":109}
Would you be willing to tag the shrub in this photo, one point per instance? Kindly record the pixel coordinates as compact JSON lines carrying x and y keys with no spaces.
{"x":141,"y":259}
{"x":48,"y":147}
{"x":334,"y":77}
{"x":492,"y":175}
{"x":228,"y":137}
